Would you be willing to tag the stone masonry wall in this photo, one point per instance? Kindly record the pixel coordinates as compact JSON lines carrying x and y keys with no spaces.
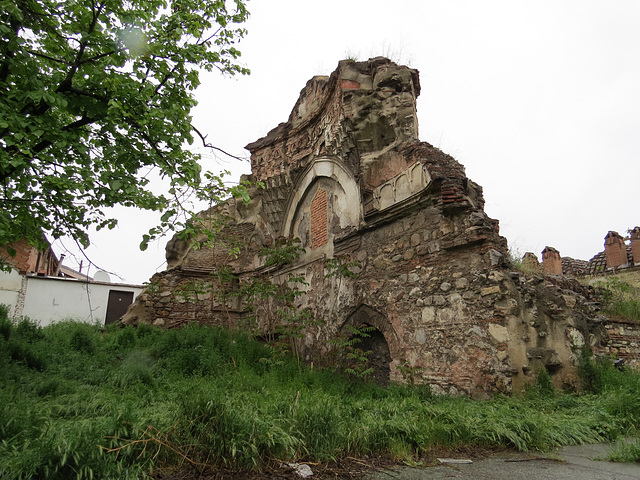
{"x":348,"y":178}
{"x":621,"y":340}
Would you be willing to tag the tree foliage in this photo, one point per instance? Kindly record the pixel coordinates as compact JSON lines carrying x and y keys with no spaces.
{"x":94,"y":94}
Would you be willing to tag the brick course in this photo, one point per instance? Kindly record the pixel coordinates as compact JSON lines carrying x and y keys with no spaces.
{"x":319,"y":219}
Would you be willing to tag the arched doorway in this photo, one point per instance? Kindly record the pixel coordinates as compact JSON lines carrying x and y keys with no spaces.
{"x":367,"y":331}
{"x":379,"y":357}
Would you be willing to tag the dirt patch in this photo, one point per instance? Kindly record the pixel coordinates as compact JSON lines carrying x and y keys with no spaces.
{"x":348,"y":468}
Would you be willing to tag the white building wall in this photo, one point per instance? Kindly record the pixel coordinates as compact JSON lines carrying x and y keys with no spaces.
{"x":10,"y":284}
{"x":51,"y":299}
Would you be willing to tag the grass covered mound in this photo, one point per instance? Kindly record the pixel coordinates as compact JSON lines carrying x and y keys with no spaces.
{"x":77,"y":401}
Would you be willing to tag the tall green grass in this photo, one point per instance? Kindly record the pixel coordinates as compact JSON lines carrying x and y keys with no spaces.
{"x":621,"y":297}
{"x":78,"y":401}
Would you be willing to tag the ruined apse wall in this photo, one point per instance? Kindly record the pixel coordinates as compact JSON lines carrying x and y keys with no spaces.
{"x":348,"y":177}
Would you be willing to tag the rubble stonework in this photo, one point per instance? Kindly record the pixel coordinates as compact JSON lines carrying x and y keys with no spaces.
{"x":348,"y":177}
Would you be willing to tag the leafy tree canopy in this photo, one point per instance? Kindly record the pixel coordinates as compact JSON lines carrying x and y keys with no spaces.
{"x":93,"y":95}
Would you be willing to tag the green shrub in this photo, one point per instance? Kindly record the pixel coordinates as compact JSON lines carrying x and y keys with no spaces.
{"x":543,"y":385}
{"x":136,"y":368}
{"x":589,"y":374}
{"x":203,"y":395}
{"x":620,"y":298}
{"x":52,"y":386}
{"x":24,"y":353}
{"x":81,"y":341}
{"x":5,"y":323}
{"x":28,"y":330}
{"x":127,"y":337}
{"x":144,"y":330}
{"x":322,"y":423}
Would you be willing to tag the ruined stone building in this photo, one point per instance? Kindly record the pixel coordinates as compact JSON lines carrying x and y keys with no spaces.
{"x":348,"y":177}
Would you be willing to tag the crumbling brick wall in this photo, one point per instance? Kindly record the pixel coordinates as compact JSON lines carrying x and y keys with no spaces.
{"x":348,"y":177}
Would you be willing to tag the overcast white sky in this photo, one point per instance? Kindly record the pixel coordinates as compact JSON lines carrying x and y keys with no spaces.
{"x":540,"y":101}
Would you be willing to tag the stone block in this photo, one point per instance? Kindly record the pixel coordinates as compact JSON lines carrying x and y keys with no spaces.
{"x":499,"y":333}
{"x":439,"y":300}
{"x":455,"y":298}
{"x":433,"y":247}
{"x":428,"y":314}
{"x":490,"y":291}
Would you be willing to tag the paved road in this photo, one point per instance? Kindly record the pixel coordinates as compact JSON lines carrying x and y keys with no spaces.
{"x":569,"y":463}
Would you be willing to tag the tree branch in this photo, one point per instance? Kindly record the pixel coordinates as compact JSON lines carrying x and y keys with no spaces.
{"x":102,"y":55}
{"x":166,"y":78}
{"x":42,"y":55}
{"x":66,"y":83}
{"x":77,"y":124}
{"x":213,"y":147}
{"x":102,"y":98}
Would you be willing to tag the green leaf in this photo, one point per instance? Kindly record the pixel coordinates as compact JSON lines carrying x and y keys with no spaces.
{"x":144,"y":244}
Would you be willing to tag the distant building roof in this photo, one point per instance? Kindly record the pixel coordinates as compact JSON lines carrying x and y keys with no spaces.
{"x":71,"y":273}
{"x":574,"y":266}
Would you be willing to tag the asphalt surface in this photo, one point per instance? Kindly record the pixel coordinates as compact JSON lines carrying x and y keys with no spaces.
{"x":568,"y":463}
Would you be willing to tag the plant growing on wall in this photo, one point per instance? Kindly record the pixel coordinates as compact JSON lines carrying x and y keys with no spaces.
{"x":338,"y":268}
{"x":271,"y":298}
{"x":410,"y":372}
